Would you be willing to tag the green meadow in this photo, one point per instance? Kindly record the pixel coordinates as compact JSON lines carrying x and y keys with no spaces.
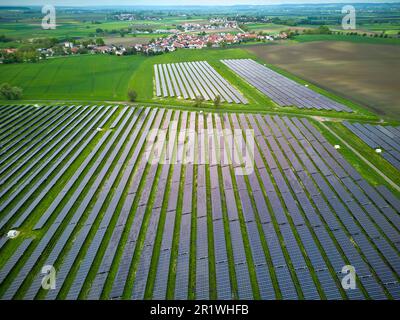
{"x":349,"y":38}
{"x":77,"y":77}
{"x":99,"y":77}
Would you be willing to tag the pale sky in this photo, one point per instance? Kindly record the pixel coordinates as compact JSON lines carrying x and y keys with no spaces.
{"x":177,"y":2}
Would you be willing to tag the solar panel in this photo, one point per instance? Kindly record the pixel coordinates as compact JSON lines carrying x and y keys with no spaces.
{"x":202,"y":279}
{"x":157,"y":80}
{"x":160,"y":285}
{"x":192,"y":79}
{"x":182,"y":277}
{"x":389,"y":197}
{"x":13,"y":260}
{"x":224,"y":291}
{"x":57,"y":177}
{"x":245,"y":291}
{"x":284,"y":91}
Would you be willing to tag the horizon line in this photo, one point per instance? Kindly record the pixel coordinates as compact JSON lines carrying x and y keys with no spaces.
{"x":198,"y":5}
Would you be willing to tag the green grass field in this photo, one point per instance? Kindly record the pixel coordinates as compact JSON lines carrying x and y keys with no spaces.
{"x":78,"y":77}
{"x":73,"y":28}
{"x":98,"y":77}
{"x":356,"y":39}
{"x":387,"y":28}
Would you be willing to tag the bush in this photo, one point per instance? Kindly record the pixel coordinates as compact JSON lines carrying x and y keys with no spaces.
{"x":9,"y":92}
{"x":217,"y":101}
{"x":132,"y":95}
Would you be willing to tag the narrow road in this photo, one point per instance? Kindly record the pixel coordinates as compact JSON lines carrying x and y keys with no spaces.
{"x":240,"y":29}
{"x":388,"y":180}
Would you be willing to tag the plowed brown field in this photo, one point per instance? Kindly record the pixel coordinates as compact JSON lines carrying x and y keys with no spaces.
{"x":365,"y":73}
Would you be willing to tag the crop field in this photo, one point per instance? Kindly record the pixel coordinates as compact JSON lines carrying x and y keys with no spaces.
{"x":345,"y":38}
{"x":386,"y":28}
{"x":153,"y":203}
{"x":365,"y":73}
{"x":128,"y":41}
{"x":273,"y":28}
{"x":70,"y":27}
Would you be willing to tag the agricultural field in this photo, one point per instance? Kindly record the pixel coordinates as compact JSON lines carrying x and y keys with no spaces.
{"x":345,"y":38}
{"x":72,"y":28}
{"x":366,"y":73}
{"x":273,"y":28}
{"x":128,"y":41}
{"x":391,"y":29}
{"x":108,"y":78}
{"x":155,"y":222}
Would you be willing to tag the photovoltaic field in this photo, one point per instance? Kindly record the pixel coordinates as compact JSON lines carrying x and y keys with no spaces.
{"x":386,"y":138}
{"x":284,"y":91}
{"x":193,"y":79}
{"x":77,"y":182}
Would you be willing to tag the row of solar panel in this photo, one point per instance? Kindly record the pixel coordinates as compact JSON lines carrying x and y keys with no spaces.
{"x":50,"y":165}
{"x":62,"y":215}
{"x":386,"y":138}
{"x":18,"y":147}
{"x":307,"y":185}
{"x":193,"y":79}
{"x":10,"y":113}
{"x":282,"y":90}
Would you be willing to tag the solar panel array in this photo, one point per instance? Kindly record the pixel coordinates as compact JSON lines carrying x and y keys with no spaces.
{"x":386,"y":138}
{"x":283,"y":91}
{"x":189,"y":80}
{"x":119,"y":227}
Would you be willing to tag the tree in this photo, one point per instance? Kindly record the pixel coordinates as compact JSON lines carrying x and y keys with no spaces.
{"x":3,"y":38}
{"x":9,"y":92}
{"x":11,"y":57}
{"x":198,"y":101}
{"x":132,"y":95}
{"x":217,"y":101}
{"x":100,"y":41}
